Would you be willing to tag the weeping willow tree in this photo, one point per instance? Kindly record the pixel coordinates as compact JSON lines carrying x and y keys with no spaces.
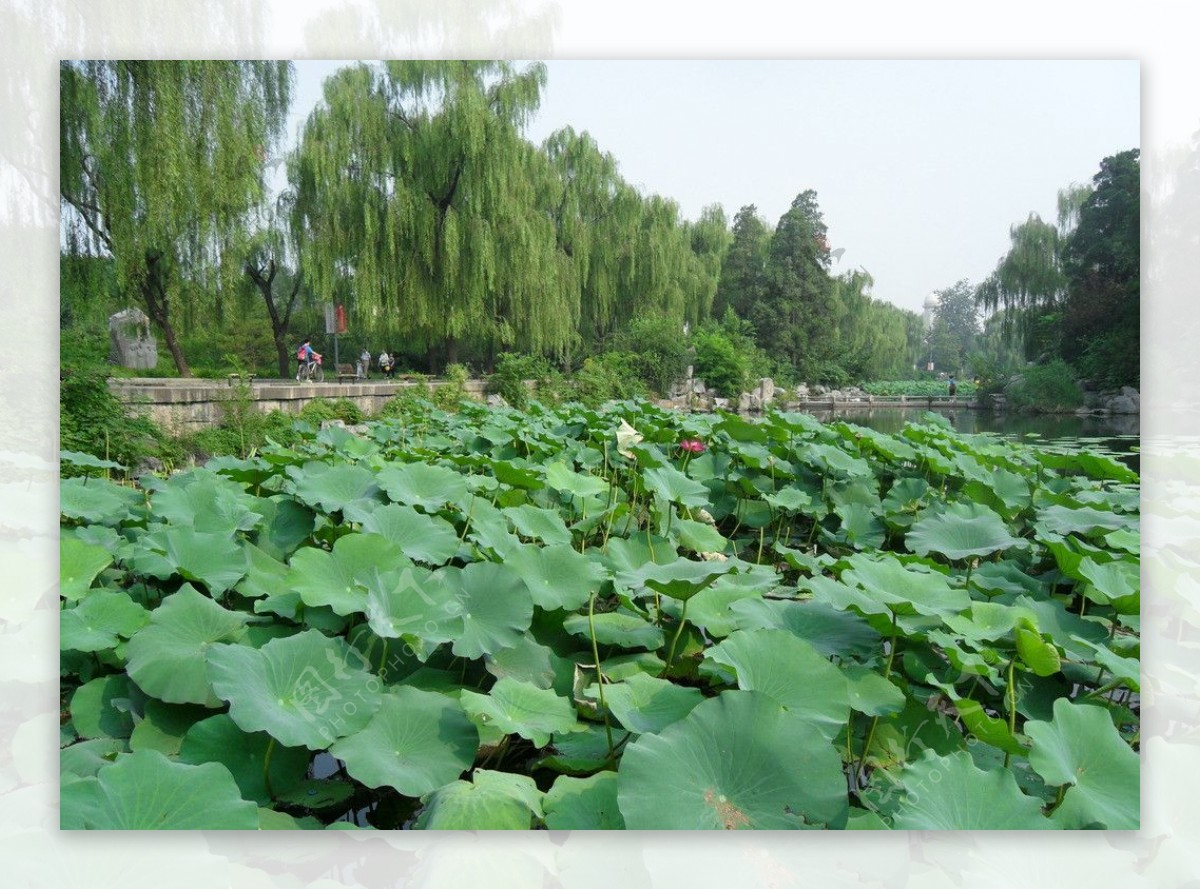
{"x":420,"y":205}
{"x":871,"y":336}
{"x":595,"y":212}
{"x":161,"y":163}
{"x":1029,"y":282}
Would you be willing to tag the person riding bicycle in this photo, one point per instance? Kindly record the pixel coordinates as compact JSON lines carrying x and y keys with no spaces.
{"x":306,"y":354}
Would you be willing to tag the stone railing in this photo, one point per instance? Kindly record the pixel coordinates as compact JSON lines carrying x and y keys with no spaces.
{"x":185,"y":405}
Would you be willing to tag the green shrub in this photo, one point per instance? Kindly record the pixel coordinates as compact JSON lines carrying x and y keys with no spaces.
{"x":454,"y":390}
{"x":1048,"y":388}
{"x":719,"y":363}
{"x":320,"y":410}
{"x":607,"y":376}
{"x":94,"y":421}
{"x":512,"y":370}
{"x":659,"y":348}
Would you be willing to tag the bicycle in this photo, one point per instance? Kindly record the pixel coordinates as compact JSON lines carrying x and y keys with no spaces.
{"x":311,"y":370}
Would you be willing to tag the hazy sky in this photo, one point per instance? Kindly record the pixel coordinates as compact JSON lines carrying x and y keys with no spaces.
{"x":920,"y":167}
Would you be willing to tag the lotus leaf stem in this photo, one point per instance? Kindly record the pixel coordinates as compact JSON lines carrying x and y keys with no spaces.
{"x":267,"y":767}
{"x":675,"y":640}
{"x":1011,"y":695}
{"x":599,"y":673}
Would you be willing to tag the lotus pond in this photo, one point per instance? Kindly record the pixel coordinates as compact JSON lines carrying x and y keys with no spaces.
{"x":616,"y":618}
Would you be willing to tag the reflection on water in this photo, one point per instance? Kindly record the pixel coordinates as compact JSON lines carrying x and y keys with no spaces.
{"x":1116,"y":434}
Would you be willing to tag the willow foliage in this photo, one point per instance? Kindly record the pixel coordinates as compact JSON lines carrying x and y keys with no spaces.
{"x":161,"y":164}
{"x":424,"y":208}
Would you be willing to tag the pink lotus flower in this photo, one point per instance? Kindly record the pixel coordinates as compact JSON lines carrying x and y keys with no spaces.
{"x":695,"y":446}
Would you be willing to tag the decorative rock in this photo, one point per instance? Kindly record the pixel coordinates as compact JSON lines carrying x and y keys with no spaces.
{"x":1124,"y":404}
{"x":495,"y":400}
{"x":131,"y":344}
{"x":766,"y":390}
{"x":744,"y":402}
{"x":721,"y":403}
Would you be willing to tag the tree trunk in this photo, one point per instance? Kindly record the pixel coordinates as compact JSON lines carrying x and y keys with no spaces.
{"x":158,"y":306}
{"x":264,"y":279}
{"x":451,"y":350}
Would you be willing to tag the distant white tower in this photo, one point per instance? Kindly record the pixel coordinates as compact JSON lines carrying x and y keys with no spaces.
{"x":931,"y":304}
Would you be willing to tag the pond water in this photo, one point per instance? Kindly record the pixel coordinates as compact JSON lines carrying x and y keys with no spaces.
{"x":1114,"y":434}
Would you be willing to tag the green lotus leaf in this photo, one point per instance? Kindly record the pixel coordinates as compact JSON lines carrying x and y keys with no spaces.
{"x":1101,"y":466}
{"x":215,"y":560}
{"x":80,"y":459}
{"x":1081,"y":749}
{"x":622,"y":629}
{"x":333,"y":487}
{"x":249,"y":756}
{"x":514,"y":706}
{"x":1062,"y":520}
{"x":1128,"y":670}
{"x":538,"y":522}
{"x":1117,"y":583}
{"x":265,"y":576}
{"x":871,"y":693}
{"x":562,"y":478}
{"x":528,"y":661}
{"x":86,"y":758}
{"x":414,"y":604}
{"x":427,"y":539}
{"x":517,"y":476}
{"x":793,"y":499}
{"x":78,"y":566}
{"x":423,"y":485}
{"x":700,"y":537}
{"x":583,"y":804}
{"x":1007,"y":493}
{"x":741,"y":430}
{"x":97,"y":500}
{"x":574,"y":753}
{"x":647,"y":704}
{"x":829,"y":460}
{"x":1126,"y":539}
{"x":681,"y":579}
{"x":163,"y":726}
{"x":961,"y":531}
{"x":100,"y":620}
{"x":417,"y":742}
{"x":202,"y":500}
{"x":336,"y":579}
{"x":996,"y":578}
{"x":1065,"y":628}
{"x":861,"y":527}
{"x":710,"y":608}
{"x":675,"y":487}
{"x":286,"y":524}
{"x":985,"y":621}
{"x":737,"y":761}
{"x":166,"y":657}
{"x":905,"y":590}
{"x":147,"y":791}
{"x":951,"y":793}
{"x":492,"y":800}
{"x":1038,"y":653}
{"x":307,"y":689}
{"x":495,"y":604}
{"x":987,"y":727}
{"x":558,"y":577}
{"x":831,"y":631}
{"x":906,"y":498}
{"x":789,"y":670}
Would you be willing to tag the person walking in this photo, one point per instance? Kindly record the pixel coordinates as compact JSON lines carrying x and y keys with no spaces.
{"x":385,"y":364}
{"x":364,"y":364}
{"x":953,"y":387}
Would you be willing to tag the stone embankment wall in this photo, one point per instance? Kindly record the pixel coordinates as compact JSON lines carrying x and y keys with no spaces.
{"x":186,"y":405}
